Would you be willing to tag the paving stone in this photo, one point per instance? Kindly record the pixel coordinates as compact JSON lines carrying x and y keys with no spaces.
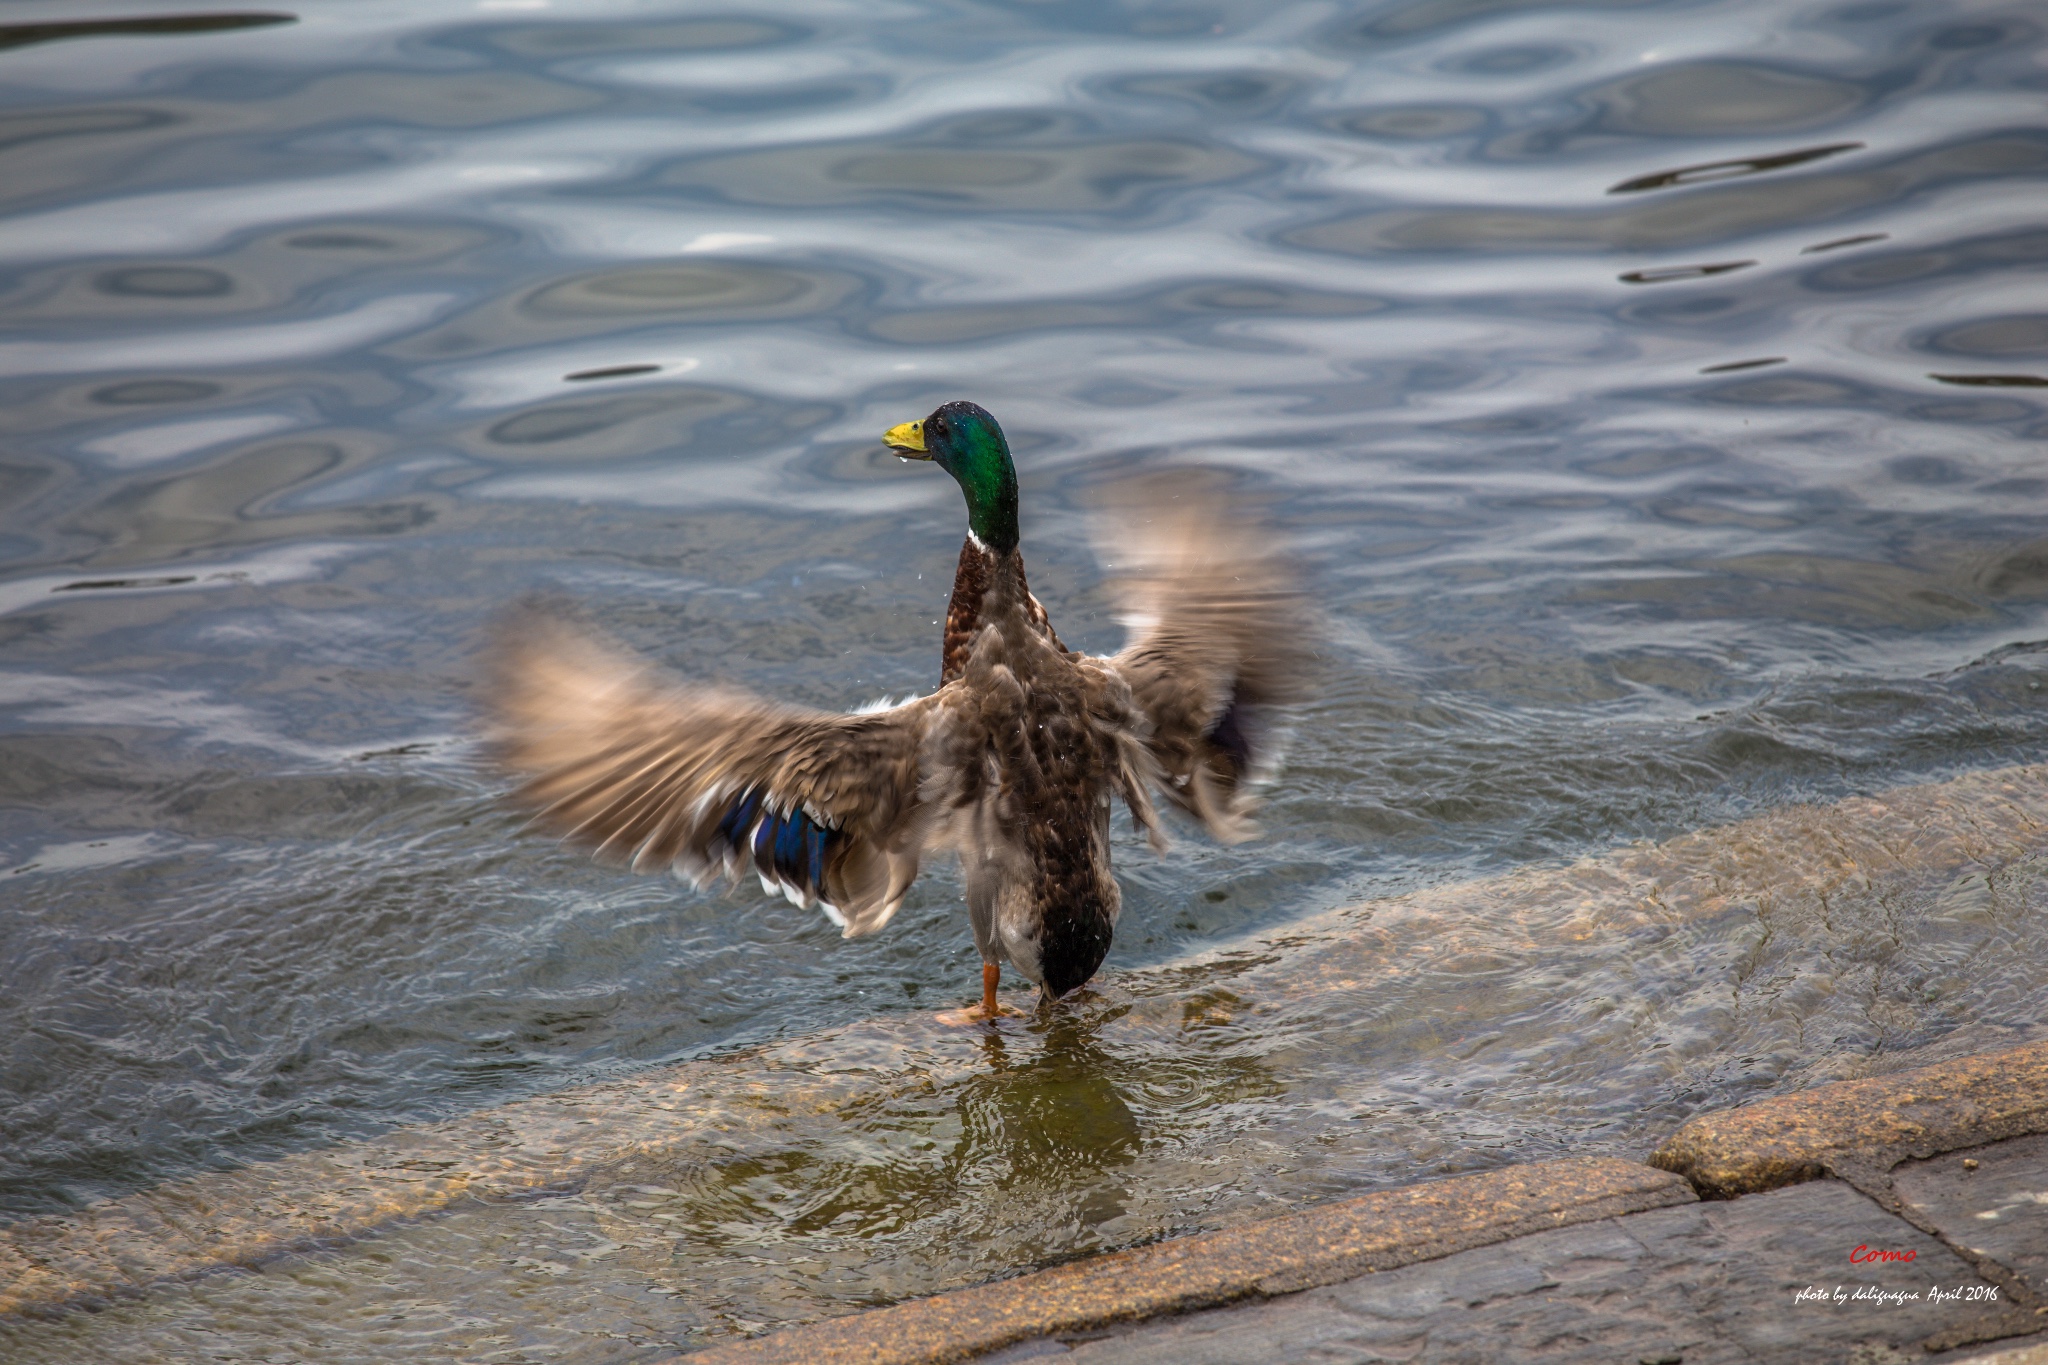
{"x":1867,"y":1125}
{"x":1997,"y":1206}
{"x":2030,"y":1353}
{"x":1317,"y":1246}
{"x":1755,"y":1255}
{"x":1705,"y":1283}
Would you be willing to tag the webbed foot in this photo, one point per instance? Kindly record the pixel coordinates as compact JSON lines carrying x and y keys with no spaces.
{"x":990,"y":1008}
{"x":977,"y":1014}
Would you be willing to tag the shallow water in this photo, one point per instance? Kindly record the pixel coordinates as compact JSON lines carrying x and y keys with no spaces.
{"x":1655,"y":392}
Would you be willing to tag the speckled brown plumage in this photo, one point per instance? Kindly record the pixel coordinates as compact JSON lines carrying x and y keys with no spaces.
{"x":963,"y":609}
{"x":646,"y":770}
{"x":1052,"y":737}
{"x":1012,"y":763}
{"x":1223,"y":643}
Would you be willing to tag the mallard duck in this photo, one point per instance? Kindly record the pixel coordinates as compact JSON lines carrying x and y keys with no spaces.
{"x":1012,"y":762}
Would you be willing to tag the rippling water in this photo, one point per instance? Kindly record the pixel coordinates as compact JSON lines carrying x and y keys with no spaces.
{"x":1656,"y":391}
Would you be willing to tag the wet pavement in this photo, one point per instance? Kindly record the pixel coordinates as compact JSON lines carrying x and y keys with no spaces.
{"x":1764,"y":1278}
{"x":1882,"y":1258}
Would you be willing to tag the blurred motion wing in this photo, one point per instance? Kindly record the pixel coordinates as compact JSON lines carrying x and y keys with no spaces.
{"x":1221,"y":640}
{"x":825,"y":808}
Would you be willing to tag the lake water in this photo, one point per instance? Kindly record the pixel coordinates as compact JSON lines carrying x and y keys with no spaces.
{"x":1655,"y":393}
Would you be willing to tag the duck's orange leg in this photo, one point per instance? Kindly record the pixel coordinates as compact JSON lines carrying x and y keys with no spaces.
{"x":989,"y":1008}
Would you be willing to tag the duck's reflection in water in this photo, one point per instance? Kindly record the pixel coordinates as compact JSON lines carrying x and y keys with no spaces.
{"x":1049,"y":1144}
{"x":1054,"y":1114}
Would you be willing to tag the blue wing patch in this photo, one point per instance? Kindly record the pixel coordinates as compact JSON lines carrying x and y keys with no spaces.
{"x":787,"y":847}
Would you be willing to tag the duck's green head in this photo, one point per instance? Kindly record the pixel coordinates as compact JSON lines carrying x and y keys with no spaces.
{"x":962,"y":439}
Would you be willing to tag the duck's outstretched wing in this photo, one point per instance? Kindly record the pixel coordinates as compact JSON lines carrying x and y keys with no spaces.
{"x":1221,"y":641}
{"x":824,"y":807}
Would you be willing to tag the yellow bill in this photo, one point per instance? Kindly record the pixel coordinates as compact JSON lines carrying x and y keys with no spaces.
{"x":907,"y":440}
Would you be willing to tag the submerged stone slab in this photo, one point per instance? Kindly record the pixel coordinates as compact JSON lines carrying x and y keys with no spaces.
{"x":1706,"y":1284}
{"x":1873,"y":1123}
{"x":211,"y":1222}
{"x":1378,"y":1231}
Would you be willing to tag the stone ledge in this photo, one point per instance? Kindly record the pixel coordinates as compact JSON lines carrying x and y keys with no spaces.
{"x":1868,"y":1125}
{"x":1324,"y":1245}
{"x":1711,"y":1283}
{"x":2033,"y":1353}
